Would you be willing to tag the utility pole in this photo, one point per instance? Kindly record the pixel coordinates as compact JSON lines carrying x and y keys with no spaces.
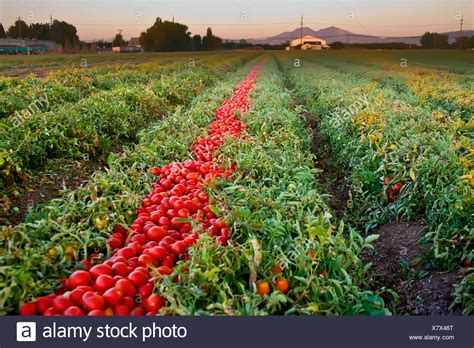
{"x":460,"y":32}
{"x":173,"y":18}
{"x":51,"y":19}
{"x":19,"y":26}
{"x":301,"y":32}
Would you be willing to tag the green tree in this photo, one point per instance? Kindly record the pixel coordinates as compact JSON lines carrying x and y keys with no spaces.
{"x":211,"y":42}
{"x":3,"y":34}
{"x":65,"y":34}
{"x":196,"y":43}
{"x":463,"y":42}
{"x":19,"y":30}
{"x":118,"y":40}
{"x":166,"y":36}
{"x":434,"y":40}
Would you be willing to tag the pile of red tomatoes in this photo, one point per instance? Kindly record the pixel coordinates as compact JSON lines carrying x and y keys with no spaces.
{"x":169,"y":221}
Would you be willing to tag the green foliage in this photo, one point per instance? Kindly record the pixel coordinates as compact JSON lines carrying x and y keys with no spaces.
{"x":278,"y":218}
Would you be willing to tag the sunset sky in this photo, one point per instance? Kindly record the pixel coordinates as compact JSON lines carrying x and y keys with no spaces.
{"x":234,"y":19}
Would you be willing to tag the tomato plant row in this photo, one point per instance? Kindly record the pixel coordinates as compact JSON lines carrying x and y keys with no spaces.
{"x":96,"y":123}
{"x":287,"y":255}
{"x":161,"y":233}
{"x":405,"y":156}
{"x":56,"y":236}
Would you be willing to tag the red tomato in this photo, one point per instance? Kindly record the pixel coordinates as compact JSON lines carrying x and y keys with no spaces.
{"x":121,"y":309}
{"x":183,"y":213}
{"x":165,"y":270}
{"x":28,"y":309}
{"x":43,"y":303}
{"x":104,"y":282}
{"x":156,"y":233}
{"x":76,"y":296}
{"x":282,"y":285}
{"x":158,"y":253}
{"x":92,"y":300}
{"x":126,"y":287}
{"x":137,"y":278}
{"x":164,"y":221}
{"x":221,"y":240}
{"x":168,"y":262}
{"x":146,"y":290}
{"x":96,"y":312}
{"x":175,"y":223}
{"x":146,"y":260}
{"x":50,"y":312}
{"x":127,"y":252}
{"x":97,"y":270}
{"x":155,"y":170}
{"x":113,"y":297}
{"x":263,"y":288}
{"x":397,"y":187}
{"x":154,"y":302}
{"x":79,"y":278}
{"x":61,"y":303}
{"x":121,"y":269}
{"x":73,"y":311}
{"x":178,"y":248}
{"x":138,"y":311}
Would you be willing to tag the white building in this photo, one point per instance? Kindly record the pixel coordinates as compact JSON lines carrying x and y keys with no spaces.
{"x":308,"y":43}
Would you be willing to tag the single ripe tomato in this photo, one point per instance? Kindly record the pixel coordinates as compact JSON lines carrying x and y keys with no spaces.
{"x":154,"y":302}
{"x":282,"y":285}
{"x":121,"y":309}
{"x":92,"y":300}
{"x":96,"y":312}
{"x":397,"y":187}
{"x":100,"y":269}
{"x":156,"y":233}
{"x":164,"y":270}
{"x":127,"y":252}
{"x":79,"y":278}
{"x":263,"y":287}
{"x":137,"y":278}
{"x":43,"y":303}
{"x":113,"y":297}
{"x":61,"y":303}
{"x":73,"y":311}
{"x":104,"y":282}
{"x":121,"y":269}
{"x":28,"y":309}
{"x":158,"y":253}
{"x":178,"y":248}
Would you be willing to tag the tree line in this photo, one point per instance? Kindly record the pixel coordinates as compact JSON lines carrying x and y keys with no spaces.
{"x":436,"y":40}
{"x":170,"y":36}
{"x":60,"y":32}
{"x":162,"y":36}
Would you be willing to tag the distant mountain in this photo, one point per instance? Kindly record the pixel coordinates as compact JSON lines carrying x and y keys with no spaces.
{"x":333,"y":34}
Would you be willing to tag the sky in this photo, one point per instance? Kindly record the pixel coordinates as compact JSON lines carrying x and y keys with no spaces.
{"x":236,"y":19}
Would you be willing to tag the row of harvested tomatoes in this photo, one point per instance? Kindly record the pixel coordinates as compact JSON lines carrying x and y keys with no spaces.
{"x":169,"y":222}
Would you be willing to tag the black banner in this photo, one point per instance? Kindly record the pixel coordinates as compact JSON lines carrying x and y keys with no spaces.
{"x":288,"y":332}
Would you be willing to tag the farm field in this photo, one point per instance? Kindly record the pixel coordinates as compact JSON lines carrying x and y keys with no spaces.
{"x":239,"y":183}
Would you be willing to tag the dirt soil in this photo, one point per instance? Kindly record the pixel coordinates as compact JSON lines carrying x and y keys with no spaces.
{"x":331,"y":178}
{"x":397,"y":263}
{"x":47,"y":184}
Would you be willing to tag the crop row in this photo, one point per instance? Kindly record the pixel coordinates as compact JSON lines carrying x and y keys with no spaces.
{"x":286,"y":255}
{"x":58,"y":235}
{"x":404,"y":159}
{"x":95,"y":123}
{"x":445,"y":92}
{"x":158,"y":237}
